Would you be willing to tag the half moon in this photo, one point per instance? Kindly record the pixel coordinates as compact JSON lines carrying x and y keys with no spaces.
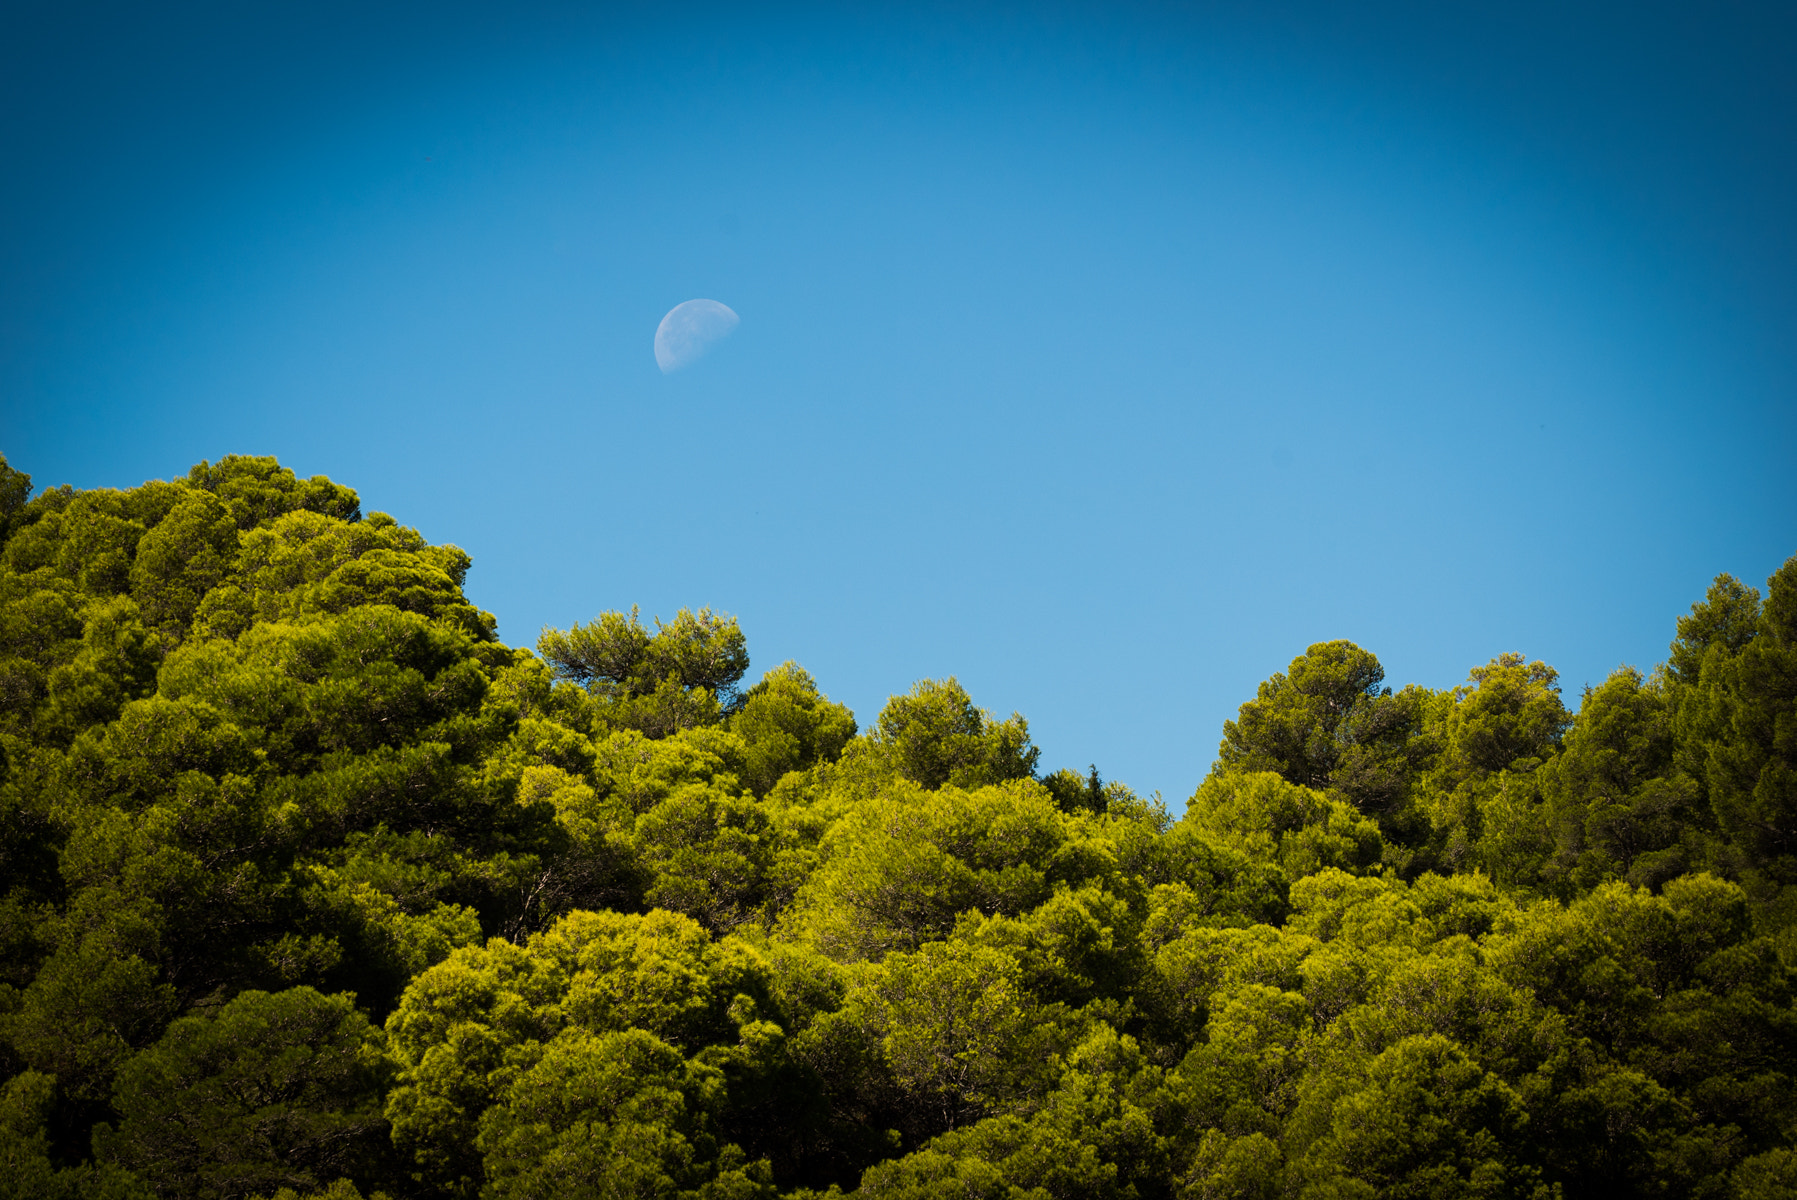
{"x":689,"y":330}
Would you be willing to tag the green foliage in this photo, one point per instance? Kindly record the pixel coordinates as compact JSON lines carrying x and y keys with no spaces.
{"x":956,"y":1028}
{"x":15,"y":490}
{"x":935,"y":736}
{"x":681,"y":677}
{"x":1325,"y":723}
{"x":470,"y":1028}
{"x":1481,"y":791}
{"x":1743,"y":717}
{"x":1620,"y":807}
{"x":900,"y":869}
{"x":614,"y":1114}
{"x":1425,"y":1122}
{"x":1093,"y":1136}
{"x":788,"y":725}
{"x":311,"y":889}
{"x":27,"y":1169}
{"x":1268,"y":819}
{"x":342,"y":1189}
{"x":25,"y":1166}
{"x":1291,"y":726}
{"x":272,"y":1091}
{"x":183,"y":558}
{"x":1074,"y":792}
{"x":1726,"y":618}
{"x":259,"y":489}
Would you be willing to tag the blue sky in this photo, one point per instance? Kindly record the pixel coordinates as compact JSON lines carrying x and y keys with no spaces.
{"x":1103,"y":356}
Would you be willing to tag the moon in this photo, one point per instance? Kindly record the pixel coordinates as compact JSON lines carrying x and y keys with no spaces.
{"x":689,"y":330}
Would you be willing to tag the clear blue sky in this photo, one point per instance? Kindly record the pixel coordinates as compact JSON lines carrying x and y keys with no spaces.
{"x":1104,"y":356}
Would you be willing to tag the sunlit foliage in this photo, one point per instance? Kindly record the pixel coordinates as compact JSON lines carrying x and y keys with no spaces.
{"x":312,"y":889}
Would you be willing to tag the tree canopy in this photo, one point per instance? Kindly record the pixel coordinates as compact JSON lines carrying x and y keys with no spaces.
{"x":313,"y":889}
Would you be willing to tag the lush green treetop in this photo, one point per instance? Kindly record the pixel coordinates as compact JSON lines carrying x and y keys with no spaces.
{"x":312,"y":889}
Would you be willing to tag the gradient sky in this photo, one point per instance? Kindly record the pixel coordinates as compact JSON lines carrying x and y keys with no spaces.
{"x":1105,"y":356}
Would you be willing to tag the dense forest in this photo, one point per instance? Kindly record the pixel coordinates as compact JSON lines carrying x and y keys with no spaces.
{"x":314,"y":888}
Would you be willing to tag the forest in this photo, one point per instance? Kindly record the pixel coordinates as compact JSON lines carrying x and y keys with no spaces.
{"x":313,"y":888}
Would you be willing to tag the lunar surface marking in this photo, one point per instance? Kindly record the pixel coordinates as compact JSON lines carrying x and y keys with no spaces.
{"x":689,"y":330}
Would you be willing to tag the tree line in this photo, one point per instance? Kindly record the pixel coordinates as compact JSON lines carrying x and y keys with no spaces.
{"x":313,"y":888}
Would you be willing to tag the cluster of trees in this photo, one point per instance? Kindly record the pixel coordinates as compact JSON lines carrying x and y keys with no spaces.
{"x":313,"y":888}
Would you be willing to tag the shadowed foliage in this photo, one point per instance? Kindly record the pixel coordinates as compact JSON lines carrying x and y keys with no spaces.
{"x":312,"y":889}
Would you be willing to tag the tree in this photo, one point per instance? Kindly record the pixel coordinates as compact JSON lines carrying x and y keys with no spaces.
{"x":707,"y":853}
{"x":1727,"y":618}
{"x":958,"y":1031}
{"x":259,"y":489}
{"x":935,"y":736}
{"x":1480,"y":792}
{"x":303,"y":563}
{"x":96,"y":999}
{"x":26,"y":1172}
{"x":682,"y":676}
{"x":1425,"y":1122}
{"x":788,"y":725}
{"x":614,"y":1115}
{"x":15,"y":490}
{"x":188,"y":553}
{"x":27,"y":1169}
{"x":1074,"y":792}
{"x":267,"y":777}
{"x":1290,"y":726}
{"x":1269,"y":819}
{"x":899,"y":871}
{"x":1094,"y":1136}
{"x":274,"y":1090}
{"x":1325,"y":723}
{"x":1509,"y":712}
{"x":471,"y":1025}
{"x":1745,"y":719}
{"x":1619,"y":806}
